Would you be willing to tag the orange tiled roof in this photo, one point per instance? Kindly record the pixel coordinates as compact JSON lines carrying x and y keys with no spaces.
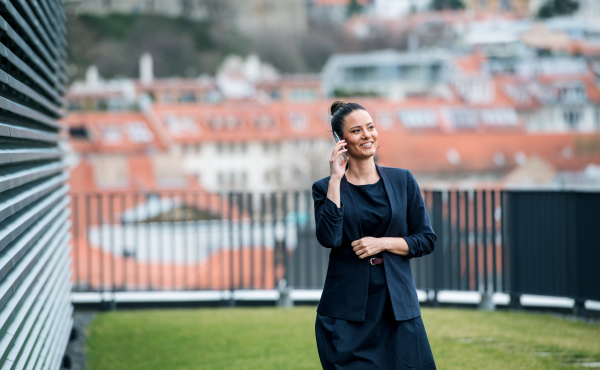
{"x":471,"y":63}
{"x":428,"y":153}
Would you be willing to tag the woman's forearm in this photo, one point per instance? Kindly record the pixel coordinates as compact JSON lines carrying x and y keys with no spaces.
{"x":396,"y":246}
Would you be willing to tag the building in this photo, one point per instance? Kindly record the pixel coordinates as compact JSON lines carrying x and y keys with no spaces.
{"x":394,"y":9}
{"x":267,"y":132}
{"x":523,"y":7}
{"x":35,"y":215}
{"x":233,"y":146}
{"x":236,"y":78}
{"x":390,"y":74}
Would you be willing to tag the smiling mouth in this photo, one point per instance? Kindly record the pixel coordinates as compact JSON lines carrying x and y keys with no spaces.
{"x":367,"y":145}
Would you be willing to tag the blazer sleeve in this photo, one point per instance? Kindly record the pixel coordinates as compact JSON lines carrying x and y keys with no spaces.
{"x":328,"y":218}
{"x":421,"y":239}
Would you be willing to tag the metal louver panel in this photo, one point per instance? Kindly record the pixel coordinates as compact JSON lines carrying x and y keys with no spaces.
{"x":35,"y":274}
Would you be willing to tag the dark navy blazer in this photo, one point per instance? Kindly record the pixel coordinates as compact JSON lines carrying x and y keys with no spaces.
{"x":346,"y":285}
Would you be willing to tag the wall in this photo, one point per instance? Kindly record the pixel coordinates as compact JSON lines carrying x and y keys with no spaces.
{"x":35,"y":308}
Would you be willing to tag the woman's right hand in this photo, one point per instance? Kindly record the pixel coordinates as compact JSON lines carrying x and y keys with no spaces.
{"x":337,"y":162}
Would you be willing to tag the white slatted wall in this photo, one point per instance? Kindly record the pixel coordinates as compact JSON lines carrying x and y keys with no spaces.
{"x":35,"y":310}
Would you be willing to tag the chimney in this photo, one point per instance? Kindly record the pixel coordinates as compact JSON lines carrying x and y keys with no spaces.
{"x":91,"y":76}
{"x":146,"y":73}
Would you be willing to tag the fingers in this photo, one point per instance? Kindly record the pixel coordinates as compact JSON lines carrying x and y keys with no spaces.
{"x":339,"y":145}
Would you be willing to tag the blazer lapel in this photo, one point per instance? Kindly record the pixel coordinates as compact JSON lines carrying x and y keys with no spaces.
{"x":387,"y":183}
{"x":350,"y":211}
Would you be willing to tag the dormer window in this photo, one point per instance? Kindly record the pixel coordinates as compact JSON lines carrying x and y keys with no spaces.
{"x":264,"y":122}
{"x":298,"y":121}
{"x":384,"y":120}
{"x":418,"y":118}
{"x":181,"y":125}
{"x":499,"y":117}
{"x":464,"y":119}
{"x":574,"y":93}
{"x":79,"y":132}
{"x":224,"y":122}
{"x":138,"y":132}
{"x":112,"y":134}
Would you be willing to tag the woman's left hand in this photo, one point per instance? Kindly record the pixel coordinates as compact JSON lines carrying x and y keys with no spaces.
{"x":368,"y":246}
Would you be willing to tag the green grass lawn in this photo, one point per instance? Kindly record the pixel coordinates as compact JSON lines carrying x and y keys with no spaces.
{"x":270,"y":338}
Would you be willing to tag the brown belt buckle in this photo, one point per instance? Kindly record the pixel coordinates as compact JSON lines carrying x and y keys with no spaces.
{"x":375,"y":261}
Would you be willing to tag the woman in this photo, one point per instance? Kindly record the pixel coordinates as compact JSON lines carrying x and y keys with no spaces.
{"x":374,"y":220}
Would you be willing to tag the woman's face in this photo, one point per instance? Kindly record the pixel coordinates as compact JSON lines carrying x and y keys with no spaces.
{"x":360,"y":135}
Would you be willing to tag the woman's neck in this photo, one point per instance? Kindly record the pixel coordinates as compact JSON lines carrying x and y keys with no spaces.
{"x":362,"y":172}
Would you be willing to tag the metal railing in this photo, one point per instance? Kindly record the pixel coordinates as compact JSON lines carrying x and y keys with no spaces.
{"x":488,"y":241}
{"x":194,"y":241}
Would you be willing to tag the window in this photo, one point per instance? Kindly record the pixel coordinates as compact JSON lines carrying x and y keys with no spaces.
{"x":187,"y":97}
{"x":357,"y":74}
{"x":272,"y":147}
{"x":464,"y":119}
{"x":505,"y":5}
{"x":74,"y":105}
{"x":264,"y":122}
{"x":274,"y":93}
{"x":298,"y":121}
{"x":168,"y":169}
{"x":180,"y":125}
{"x":79,"y":132}
{"x":410,"y":72}
{"x":138,"y":132}
{"x":224,"y":122}
{"x":499,"y":117}
{"x":435,"y":72}
{"x":418,"y":118}
{"x":303,"y":95}
{"x":244,"y":182}
{"x":572,"y":94}
{"x":110,"y":170}
{"x":384,"y":120}
{"x":167,"y":97}
{"x":112,"y":134}
{"x":572,"y":118}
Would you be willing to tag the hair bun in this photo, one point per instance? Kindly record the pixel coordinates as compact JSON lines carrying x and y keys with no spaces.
{"x":335,"y":106}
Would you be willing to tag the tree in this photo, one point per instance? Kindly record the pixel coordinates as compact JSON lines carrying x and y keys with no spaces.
{"x":447,"y":5}
{"x":354,"y":7}
{"x":553,"y":8}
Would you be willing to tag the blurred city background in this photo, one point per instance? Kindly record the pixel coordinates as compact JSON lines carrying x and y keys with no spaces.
{"x":160,"y":154}
{"x":197,"y":127}
{"x":233,"y":95}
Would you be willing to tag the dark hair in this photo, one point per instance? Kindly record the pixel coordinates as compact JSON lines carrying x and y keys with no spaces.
{"x":339,"y":111}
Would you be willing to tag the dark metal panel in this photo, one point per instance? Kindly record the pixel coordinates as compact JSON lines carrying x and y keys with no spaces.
{"x":22,"y":88}
{"x":34,"y":58}
{"x":34,"y":154}
{"x":28,"y":31}
{"x":18,"y":223}
{"x":35,"y":312}
{"x":16,"y":199}
{"x":26,"y":69}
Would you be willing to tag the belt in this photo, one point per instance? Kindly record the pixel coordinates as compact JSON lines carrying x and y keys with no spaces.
{"x":375,"y":261}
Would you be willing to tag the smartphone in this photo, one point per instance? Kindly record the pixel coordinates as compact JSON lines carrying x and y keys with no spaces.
{"x":337,"y":138}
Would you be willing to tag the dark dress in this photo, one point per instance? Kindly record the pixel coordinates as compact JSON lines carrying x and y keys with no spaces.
{"x":380,"y":342}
